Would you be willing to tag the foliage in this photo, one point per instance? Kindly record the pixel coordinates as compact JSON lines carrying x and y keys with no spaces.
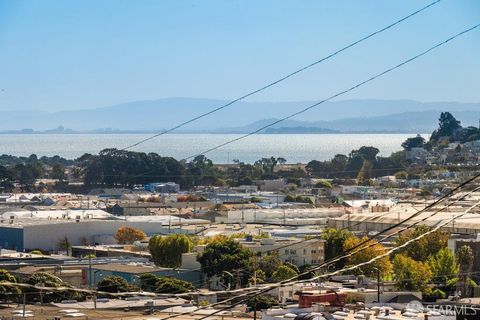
{"x":370,"y":250}
{"x":222,"y":256}
{"x":334,"y":243}
{"x":292,"y":266}
{"x":299,"y":199}
{"x":465,"y":259}
{"x":269,"y":263}
{"x":148,"y":282}
{"x":167,"y":251}
{"x":432,"y":296}
{"x":323,"y":184}
{"x":112,"y":167}
{"x":411,"y":275}
{"x":447,"y":127}
{"x":113,"y":284}
{"x":444,"y":265}
{"x":284,"y":272}
{"x":258,"y":277}
{"x":256,"y":199}
{"x":128,"y":235}
{"x":450,"y":130}
{"x":36,"y":252}
{"x":44,"y":279}
{"x":7,"y":292}
{"x":423,"y":248}
{"x":416,"y":142}
{"x":308,"y":274}
{"x":262,"y":302}
{"x":173,"y":285}
{"x":64,"y":244}
{"x":401,"y":174}
{"x":365,"y":174}
{"x":58,"y":172}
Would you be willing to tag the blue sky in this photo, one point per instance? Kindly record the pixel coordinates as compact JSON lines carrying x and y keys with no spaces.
{"x":59,"y":55}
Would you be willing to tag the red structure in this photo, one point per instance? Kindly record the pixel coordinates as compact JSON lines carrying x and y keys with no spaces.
{"x":307,"y":299}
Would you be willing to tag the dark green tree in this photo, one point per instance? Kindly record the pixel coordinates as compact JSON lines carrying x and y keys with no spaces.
{"x":225,"y":256}
{"x":172,"y":285}
{"x":448,"y":126}
{"x":283,"y":273}
{"x":8,"y":292}
{"x":113,"y":284}
{"x":415,"y":142}
{"x":262,"y":302}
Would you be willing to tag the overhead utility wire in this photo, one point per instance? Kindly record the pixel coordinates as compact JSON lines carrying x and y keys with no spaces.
{"x":284,"y":77}
{"x":386,"y":254}
{"x":60,"y":289}
{"x":339,"y":93}
{"x":263,"y":290}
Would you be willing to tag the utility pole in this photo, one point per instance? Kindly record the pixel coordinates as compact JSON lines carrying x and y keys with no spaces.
{"x":90,"y":272}
{"x":24,"y":303}
{"x":243,"y":215}
{"x":378,"y":284}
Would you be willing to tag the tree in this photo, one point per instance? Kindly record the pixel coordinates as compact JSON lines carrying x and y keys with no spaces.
{"x":43,"y":279}
{"x":416,"y":142}
{"x":447,"y":127}
{"x":465,"y":259}
{"x":334,"y":243}
{"x":411,"y":275}
{"x":258,"y":276}
{"x":113,"y":284}
{"x":224,"y":256}
{"x":401,"y":174}
{"x":64,"y":244}
{"x":262,"y":302}
{"x":58,"y":172}
{"x":269,"y":263}
{"x":172,"y":285}
{"x":426,"y":246}
{"x":365,"y":174}
{"x":323,"y":184}
{"x":370,"y":249}
{"x":128,"y":235}
{"x":444,"y":265}
{"x":148,"y":282}
{"x":167,"y":251}
{"x":8,"y":292}
{"x":284,"y":272}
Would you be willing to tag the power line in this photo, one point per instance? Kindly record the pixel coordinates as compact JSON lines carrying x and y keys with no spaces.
{"x":349,"y":252}
{"x":339,"y":93}
{"x":284,"y":77}
{"x":333,"y":260}
{"x":338,"y":271}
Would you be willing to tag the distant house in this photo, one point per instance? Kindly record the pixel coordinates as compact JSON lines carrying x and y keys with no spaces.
{"x":163,"y":187}
{"x":270,"y":185}
{"x":113,"y":193}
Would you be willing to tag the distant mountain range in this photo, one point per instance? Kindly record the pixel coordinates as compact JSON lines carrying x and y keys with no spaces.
{"x":156,"y":115}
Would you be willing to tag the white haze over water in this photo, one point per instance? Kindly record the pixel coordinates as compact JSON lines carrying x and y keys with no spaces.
{"x":293,"y":147}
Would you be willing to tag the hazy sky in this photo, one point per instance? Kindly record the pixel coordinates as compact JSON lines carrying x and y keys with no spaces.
{"x":57,"y":55}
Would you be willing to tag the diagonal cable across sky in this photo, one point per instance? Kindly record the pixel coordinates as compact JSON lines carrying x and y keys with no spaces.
{"x":354,"y":87}
{"x":285,"y":77}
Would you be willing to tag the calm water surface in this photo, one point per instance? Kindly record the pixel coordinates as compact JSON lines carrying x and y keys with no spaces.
{"x":293,"y":147}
